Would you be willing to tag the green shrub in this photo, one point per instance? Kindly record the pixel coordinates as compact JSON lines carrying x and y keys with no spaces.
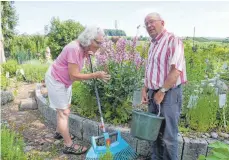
{"x":220,"y":151}
{"x":10,"y":66}
{"x":82,"y":101}
{"x":116,"y":95}
{"x":4,"y":82}
{"x":203,"y":116}
{"x":11,"y":145}
{"x":125,"y":65}
{"x":34,"y":72}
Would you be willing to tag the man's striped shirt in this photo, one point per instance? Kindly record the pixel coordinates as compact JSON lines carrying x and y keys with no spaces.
{"x":165,"y":50}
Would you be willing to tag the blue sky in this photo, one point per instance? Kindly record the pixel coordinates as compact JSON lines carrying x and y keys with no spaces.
{"x":211,"y":18}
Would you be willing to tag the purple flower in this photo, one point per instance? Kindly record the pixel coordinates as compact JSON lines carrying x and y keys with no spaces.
{"x":121,"y":52}
{"x":101,"y":59}
{"x":138,"y":60}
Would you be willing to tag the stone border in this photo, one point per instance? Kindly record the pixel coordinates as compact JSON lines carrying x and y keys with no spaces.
{"x":83,"y":128}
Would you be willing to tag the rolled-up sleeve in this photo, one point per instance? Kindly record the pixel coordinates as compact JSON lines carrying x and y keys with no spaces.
{"x":73,"y":55}
{"x":176,"y":48}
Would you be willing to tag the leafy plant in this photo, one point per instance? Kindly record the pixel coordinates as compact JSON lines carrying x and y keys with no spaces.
{"x":106,"y":156}
{"x":34,"y":71}
{"x":84,"y":103}
{"x":4,"y":82}
{"x":203,"y":116}
{"x":10,"y":66}
{"x":26,"y":47}
{"x":11,"y":145}
{"x":124,"y":64}
{"x":220,"y":151}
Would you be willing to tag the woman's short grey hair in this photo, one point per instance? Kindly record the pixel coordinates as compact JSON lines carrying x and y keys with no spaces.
{"x":89,"y":34}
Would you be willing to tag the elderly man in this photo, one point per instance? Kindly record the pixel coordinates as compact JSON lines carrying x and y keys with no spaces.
{"x":164,"y":75}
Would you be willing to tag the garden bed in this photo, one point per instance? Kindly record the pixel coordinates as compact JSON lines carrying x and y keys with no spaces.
{"x":189,"y":148}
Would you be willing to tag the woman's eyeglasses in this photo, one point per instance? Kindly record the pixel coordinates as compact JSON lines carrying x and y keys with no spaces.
{"x":98,"y":42}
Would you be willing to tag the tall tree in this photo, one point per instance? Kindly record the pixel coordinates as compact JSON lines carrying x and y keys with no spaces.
{"x":9,"y":21}
{"x":61,"y":33}
{"x":2,"y":54}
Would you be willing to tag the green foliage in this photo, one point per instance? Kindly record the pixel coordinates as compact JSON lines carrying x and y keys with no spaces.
{"x":219,"y":151}
{"x":10,"y":66}
{"x":205,"y":39}
{"x":114,"y":32}
{"x":194,"y":65}
{"x":83,"y":101}
{"x":61,"y":33}
{"x":25,"y":47}
{"x":4,"y":82}
{"x":207,"y":61}
{"x":117,"y":93}
{"x":9,"y":21}
{"x":126,"y":76}
{"x":226,"y":40}
{"x":206,"y":115}
{"x":11,"y":145}
{"x":106,"y":156}
{"x":34,"y":71}
{"x":203,"y":117}
{"x":141,"y":38}
{"x":143,"y":49}
{"x":224,"y":112}
{"x":115,"y":109}
{"x":225,"y":76}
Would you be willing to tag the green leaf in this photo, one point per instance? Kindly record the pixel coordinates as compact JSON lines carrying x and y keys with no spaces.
{"x":219,"y":145}
{"x":108,"y":114}
{"x":212,"y":158}
{"x":219,"y":155}
{"x":201,"y":157}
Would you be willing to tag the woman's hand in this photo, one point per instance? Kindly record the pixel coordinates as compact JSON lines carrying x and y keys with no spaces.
{"x":102,"y":75}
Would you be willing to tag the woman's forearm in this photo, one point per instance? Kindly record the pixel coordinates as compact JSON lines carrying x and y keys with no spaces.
{"x":81,"y":76}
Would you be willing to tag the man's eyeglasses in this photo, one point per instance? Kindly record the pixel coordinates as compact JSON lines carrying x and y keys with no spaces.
{"x":151,"y":22}
{"x":98,"y":42}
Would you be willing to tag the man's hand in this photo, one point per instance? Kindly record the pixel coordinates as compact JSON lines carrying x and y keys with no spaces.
{"x":158,"y":97}
{"x":144,"y":96}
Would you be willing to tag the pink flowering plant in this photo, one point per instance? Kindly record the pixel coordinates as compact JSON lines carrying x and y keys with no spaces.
{"x":126,"y":67}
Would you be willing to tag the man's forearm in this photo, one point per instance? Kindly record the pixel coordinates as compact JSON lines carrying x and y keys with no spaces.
{"x":144,"y":89}
{"x":171,"y":78}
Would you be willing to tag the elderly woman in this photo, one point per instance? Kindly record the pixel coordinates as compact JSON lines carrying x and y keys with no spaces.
{"x":63,"y":72}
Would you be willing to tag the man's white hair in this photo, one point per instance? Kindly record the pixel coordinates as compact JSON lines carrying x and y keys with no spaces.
{"x":155,"y":14}
{"x":89,"y":34}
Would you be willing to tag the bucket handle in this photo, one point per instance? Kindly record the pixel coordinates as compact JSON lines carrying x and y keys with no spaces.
{"x":159,"y":112}
{"x":159,"y":108}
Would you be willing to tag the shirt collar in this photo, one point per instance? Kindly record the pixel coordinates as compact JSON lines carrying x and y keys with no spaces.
{"x":158,"y":37}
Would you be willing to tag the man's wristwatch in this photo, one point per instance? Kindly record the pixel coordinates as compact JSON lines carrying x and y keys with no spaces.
{"x":163,"y":90}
